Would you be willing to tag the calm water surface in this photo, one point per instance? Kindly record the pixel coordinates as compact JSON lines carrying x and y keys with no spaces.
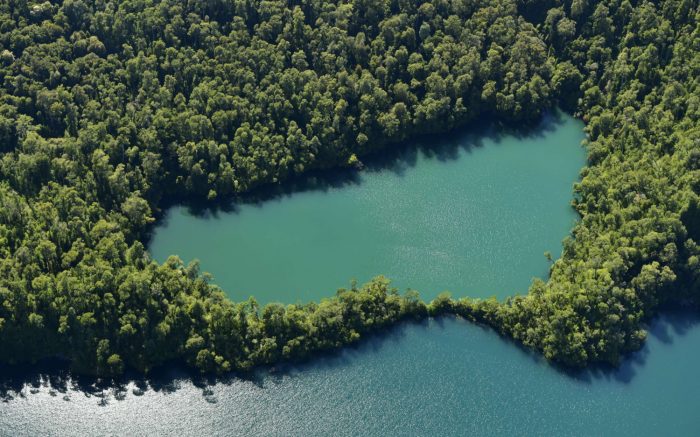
{"x":468,"y":213}
{"x":446,"y":377}
{"x":473,"y":214}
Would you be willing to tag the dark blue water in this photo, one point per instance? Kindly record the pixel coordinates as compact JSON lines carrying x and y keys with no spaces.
{"x":445,"y":377}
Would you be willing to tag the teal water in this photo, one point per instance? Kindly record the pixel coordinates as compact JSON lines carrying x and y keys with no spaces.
{"x":443,"y":378}
{"x":472,"y":213}
{"x":486,"y":210}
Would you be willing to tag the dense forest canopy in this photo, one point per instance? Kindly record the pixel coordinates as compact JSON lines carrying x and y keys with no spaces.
{"x":110,"y":108}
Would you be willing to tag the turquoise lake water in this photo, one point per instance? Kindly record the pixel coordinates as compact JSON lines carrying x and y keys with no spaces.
{"x":469,"y":213}
{"x":484,"y":216}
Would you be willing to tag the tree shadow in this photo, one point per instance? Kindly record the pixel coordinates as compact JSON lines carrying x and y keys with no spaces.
{"x":18,"y":382}
{"x":340,"y":358}
{"x":665,"y":327}
{"x":54,"y":376}
{"x":396,"y":158}
{"x":673,"y":324}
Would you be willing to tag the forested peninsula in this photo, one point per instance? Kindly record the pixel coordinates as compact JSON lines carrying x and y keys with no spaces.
{"x":110,"y":109}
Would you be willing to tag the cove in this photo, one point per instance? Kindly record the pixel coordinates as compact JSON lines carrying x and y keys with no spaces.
{"x":472,"y":213}
{"x":442,"y":377}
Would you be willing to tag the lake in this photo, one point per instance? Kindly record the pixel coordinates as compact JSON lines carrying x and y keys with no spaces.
{"x":472,"y":213}
{"x":443,"y":377}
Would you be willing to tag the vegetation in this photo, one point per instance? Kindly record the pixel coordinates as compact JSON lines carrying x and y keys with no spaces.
{"x":637,"y":244}
{"x":110,"y":108}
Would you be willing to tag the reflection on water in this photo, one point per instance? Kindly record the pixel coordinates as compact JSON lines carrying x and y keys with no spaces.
{"x":442,"y":377}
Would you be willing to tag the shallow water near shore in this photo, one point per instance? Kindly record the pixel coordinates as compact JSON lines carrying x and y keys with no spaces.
{"x":472,"y":213}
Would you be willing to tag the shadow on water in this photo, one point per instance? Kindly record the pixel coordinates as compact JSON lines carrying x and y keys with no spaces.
{"x":670,"y":325}
{"x":53,"y":376}
{"x":17,"y":383}
{"x":20,"y":382}
{"x":396,"y":159}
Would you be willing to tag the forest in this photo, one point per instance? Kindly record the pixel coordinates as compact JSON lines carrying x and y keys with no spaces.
{"x":111,"y":109}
